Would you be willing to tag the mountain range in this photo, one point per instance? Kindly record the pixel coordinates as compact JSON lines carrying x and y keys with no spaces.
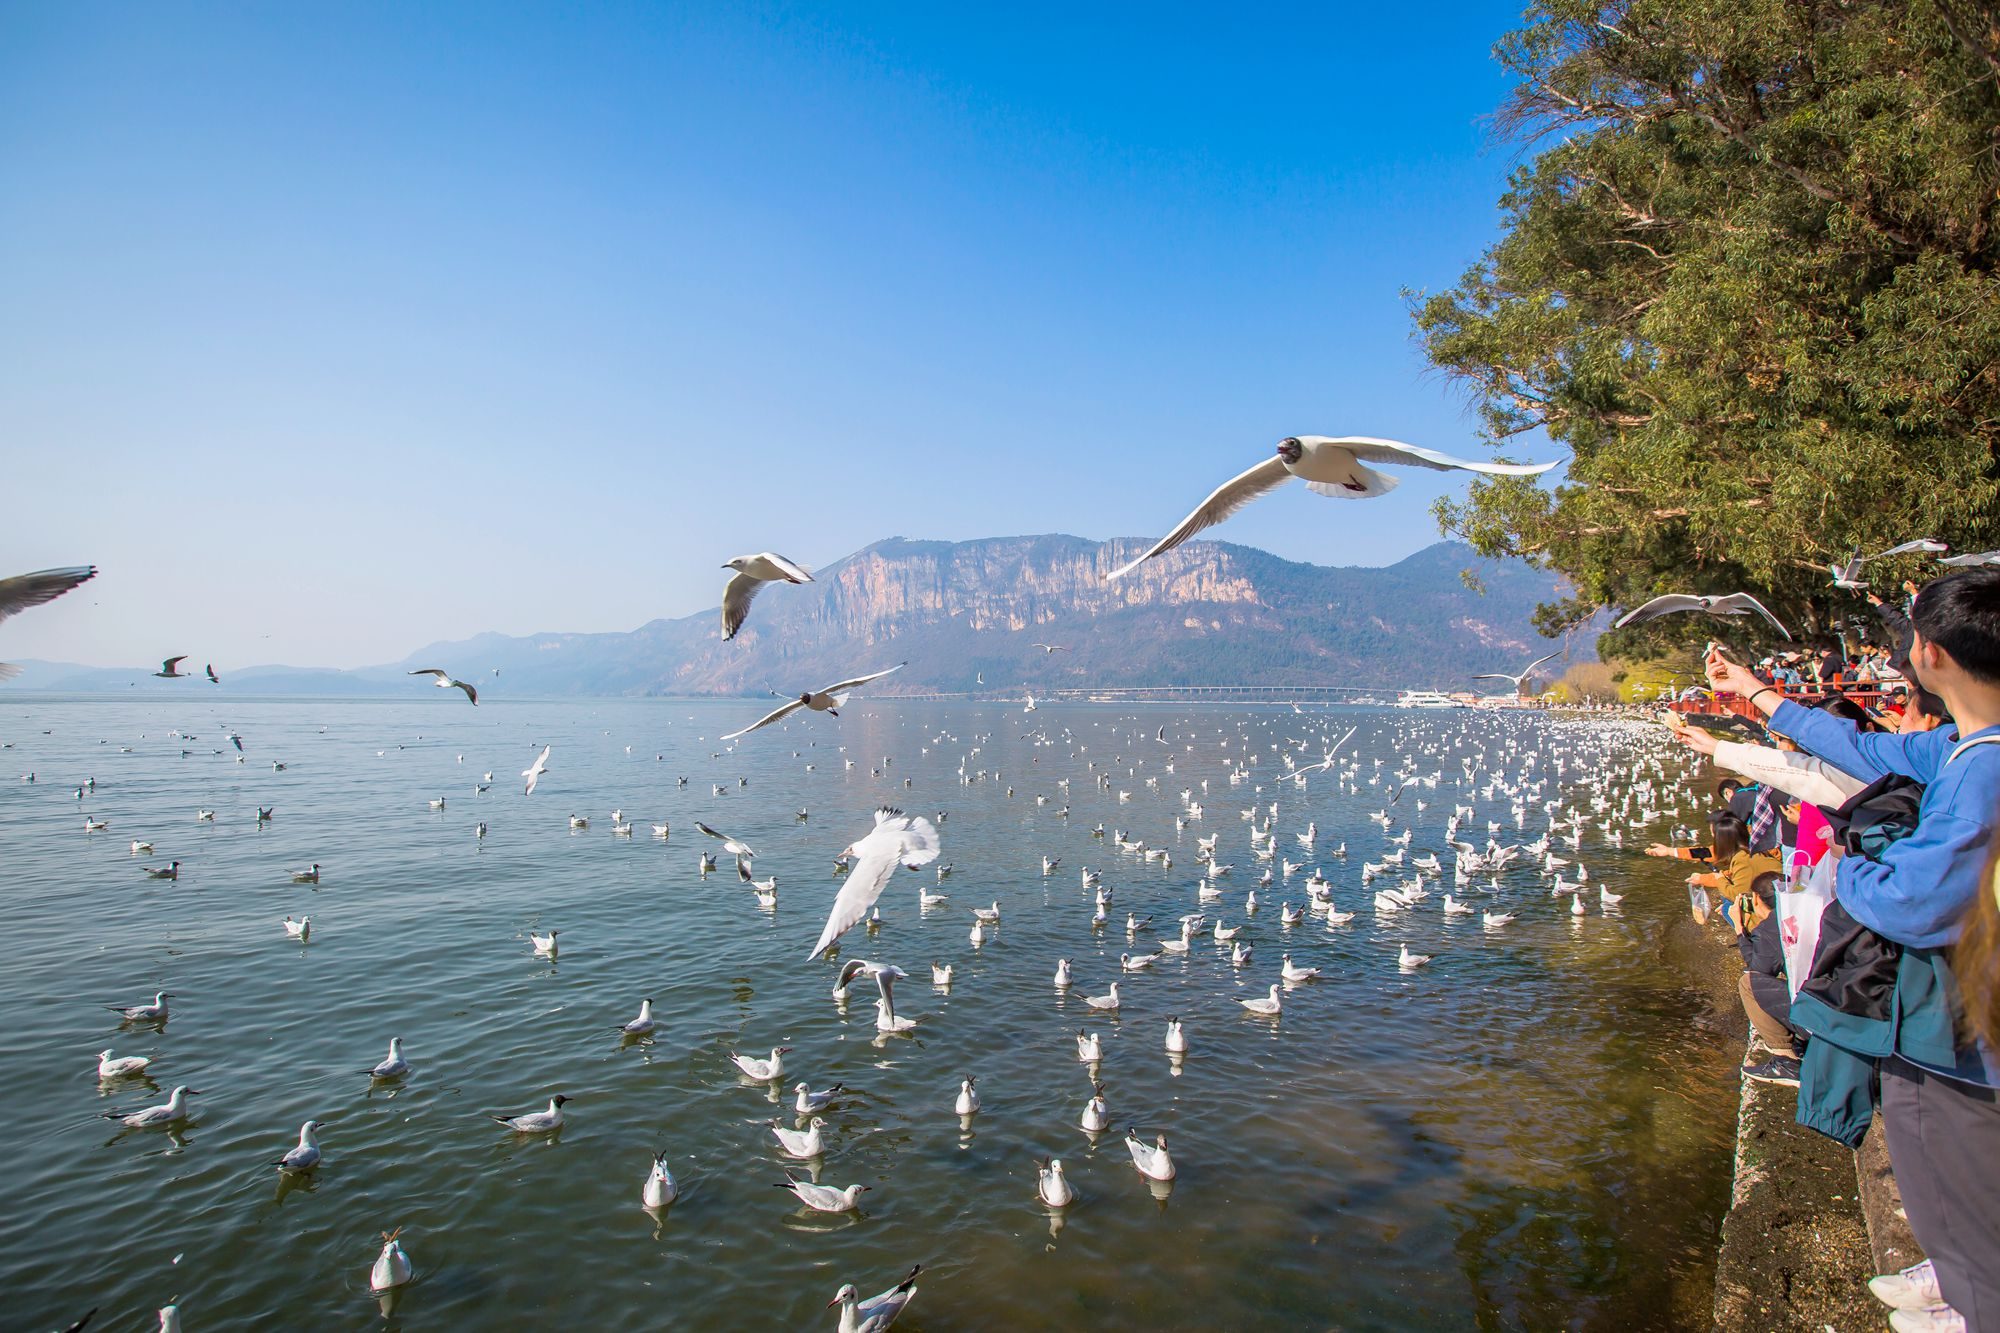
{"x":967,"y":617}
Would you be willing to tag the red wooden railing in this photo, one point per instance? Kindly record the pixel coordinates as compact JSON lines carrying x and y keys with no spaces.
{"x":1870,"y":697}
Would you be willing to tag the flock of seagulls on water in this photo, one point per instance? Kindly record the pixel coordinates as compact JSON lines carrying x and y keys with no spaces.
{"x":1621,"y":779}
{"x":1429,"y":859}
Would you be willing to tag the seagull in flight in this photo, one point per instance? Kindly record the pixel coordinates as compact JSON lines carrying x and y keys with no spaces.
{"x":752,"y":573}
{"x":896,"y":839}
{"x":1733,"y":604}
{"x":213,"y":679}
{"x":1971,"y":559}
{"x":1329,"y":466}
{"x":740,"y":850}
{"x":829,"y":700}
{"x":1048,"y":648}
{"x":445,"y":682}
{"x":1519,"y":681}
{"x":44,"y":585}
{"x":170,"y":669}
{"x":533,"y":772}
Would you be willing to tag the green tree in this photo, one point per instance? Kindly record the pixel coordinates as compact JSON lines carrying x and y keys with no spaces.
{"x":1748,"y":280}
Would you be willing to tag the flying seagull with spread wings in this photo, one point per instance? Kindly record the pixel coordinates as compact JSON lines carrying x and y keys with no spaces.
{"x":1848,"y":574}
{"x":1734,"y":604}
{"x":1521,"y":679}
{"x":829,"y":700}
{"x":1328,"y":465}
{"x":897,"y":839}
{"x":445,"y":682}
{"x":752,"y":573}
{"x":44,"y":585}
{"x":1971,"y":559}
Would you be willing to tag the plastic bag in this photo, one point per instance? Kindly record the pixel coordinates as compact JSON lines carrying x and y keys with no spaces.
{"x":1800,"y":905}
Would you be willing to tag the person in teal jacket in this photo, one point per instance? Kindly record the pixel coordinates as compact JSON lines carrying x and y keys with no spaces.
{"x":1940,"y":1107}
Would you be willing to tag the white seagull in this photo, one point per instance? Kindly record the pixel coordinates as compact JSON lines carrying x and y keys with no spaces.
{"x":534,"y":1122}
{"x":445,"y":682}
{"x":877,"y":1312}
{"x":752,"y":573}
{"x":896,"y":839}
{"x":763,"y":1071}
{"x":824,"y":1198}
{"x":533,"y":773}
{"x":392,"y":1266}
{"x":44,"y":585}
{"x":829,"y":700}
{"x":1329,"y":466}
{"x":800,"y":1145}
{"x":1520,"y":679}
{"x":659,"y":1189}
{"x":175,"y":1108}
{"x":740,"y":850}
{"x":1153,"y":1162}
{"x":1051,"y":1186}
{"x":306,"y":1156}
{"x":122,"y":1067}
{"x":1733,"y":604}
{"x":395,"y":1066}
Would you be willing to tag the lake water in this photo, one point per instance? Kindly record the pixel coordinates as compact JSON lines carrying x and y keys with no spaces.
{"x":1532,"y":1131}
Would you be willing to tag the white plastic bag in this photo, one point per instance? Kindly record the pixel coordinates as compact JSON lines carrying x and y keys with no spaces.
{"x":1799,"y":907}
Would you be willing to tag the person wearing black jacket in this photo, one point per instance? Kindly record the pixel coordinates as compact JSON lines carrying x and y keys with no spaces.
{"x":1766,"y":996}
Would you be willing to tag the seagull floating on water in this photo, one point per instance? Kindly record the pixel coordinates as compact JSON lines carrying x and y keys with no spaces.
{"x":535,"y":1122}
{"x":306,"y":1156}
{"x":395,"y":1066}
{"x":392,"y":1268}
{"x":824,"y":1198}
{"x":877,"y":1312}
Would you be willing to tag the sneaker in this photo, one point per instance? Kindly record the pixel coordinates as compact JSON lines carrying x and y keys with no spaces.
{"x":1912,"y":1289}
{"x":1930,"y":1319}
{"x":1778,"y":1069}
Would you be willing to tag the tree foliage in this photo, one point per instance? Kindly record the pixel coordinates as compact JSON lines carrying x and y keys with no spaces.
{"x":1749,"y":282}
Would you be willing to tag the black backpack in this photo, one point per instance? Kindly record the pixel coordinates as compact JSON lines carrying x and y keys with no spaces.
{"x":1853,"y":967}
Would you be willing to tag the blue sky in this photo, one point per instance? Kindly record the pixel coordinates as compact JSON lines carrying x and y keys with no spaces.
{"x":330,"y":331}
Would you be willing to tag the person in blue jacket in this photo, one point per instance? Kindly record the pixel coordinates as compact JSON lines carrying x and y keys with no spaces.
{"x":1942,"y":1123}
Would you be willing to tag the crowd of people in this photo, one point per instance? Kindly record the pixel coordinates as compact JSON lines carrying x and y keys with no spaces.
{"x":1874,"y":825}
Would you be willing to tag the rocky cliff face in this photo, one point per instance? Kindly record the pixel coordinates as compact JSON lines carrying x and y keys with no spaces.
{"x":1209,"y":613}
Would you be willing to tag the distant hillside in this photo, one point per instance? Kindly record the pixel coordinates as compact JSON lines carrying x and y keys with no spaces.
{"x":1209,"y":613}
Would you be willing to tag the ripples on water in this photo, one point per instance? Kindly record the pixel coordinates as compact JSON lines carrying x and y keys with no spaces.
{"x":1531,"y":1131}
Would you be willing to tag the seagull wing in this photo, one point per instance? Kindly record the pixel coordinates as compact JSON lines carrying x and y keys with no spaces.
{"x":1369,"y":449}
{"x":470,"y":693}
{"x":859,"y":680}
{"x":431,"y":671}
{"x":1928,"y":545}
{"x":1742,"y":603}
{"x":873,"y":865}
{"x":1972,"y":558}
{"x":172,"y":663}
{"x":1664,"y":605}
{"x":1548,"y":657}
{"x":736,"y":597}
{"x":774,"y":715}
{"x":44,"y":585}
{"x":1227,"y":498}
{"x":793,"y":570}
{"x":1497,"y":675}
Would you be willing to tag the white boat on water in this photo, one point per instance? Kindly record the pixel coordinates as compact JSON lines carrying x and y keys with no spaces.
{"x":1426,"y":699}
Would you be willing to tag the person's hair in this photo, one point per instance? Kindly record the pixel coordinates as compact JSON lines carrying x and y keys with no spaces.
{"x":1730,"y":836}
{"x":1975,"y":959}
{"x":1847,"y":710}
{"x":1928,"y":704}
{"x":1764,"y":888}
{"x":1727,"y":787}
{"x":1960,"y":613}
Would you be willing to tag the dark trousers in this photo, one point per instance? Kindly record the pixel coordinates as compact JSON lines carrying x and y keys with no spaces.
{"x":1944,"y":1143}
